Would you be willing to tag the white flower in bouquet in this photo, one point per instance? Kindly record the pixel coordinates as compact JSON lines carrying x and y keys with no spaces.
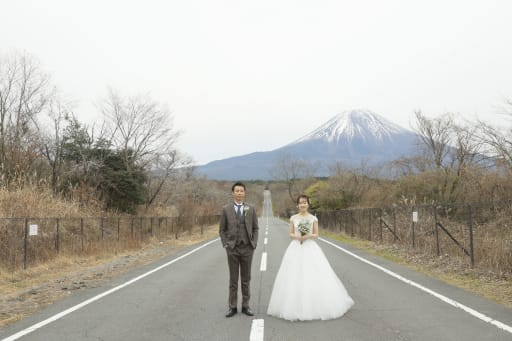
{"x":303,"y":228}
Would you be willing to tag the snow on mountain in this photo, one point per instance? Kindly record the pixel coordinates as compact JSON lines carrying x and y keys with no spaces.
{"x":349,"y":137}
{"x":348,"y":125}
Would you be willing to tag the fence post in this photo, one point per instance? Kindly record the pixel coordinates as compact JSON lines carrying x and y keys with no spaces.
{"x":470,"y":225}
{"x":82,"y":232}
{"x":57,"y":240}
{"x":102,"y":229}
{"x":131,"y":227}
{"x":436,"y":230}
{"x":178,"y":222}
{"x":380,"y":224}
{"x":151,"y":225}
{"x":352,"y":233}
{"x":394,"y":224}
{"x":141,"y":228}
{"x":25,"y":244}
{"x":360,"y":224}
{"x":370,"y":224}
{"x":118,"y":228}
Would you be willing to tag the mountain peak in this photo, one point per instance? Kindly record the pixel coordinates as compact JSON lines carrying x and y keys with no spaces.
{"x":352,"y":124}
{"x":349,"y":137}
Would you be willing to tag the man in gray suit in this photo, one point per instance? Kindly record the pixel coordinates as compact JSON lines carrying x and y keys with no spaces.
{"x":238,"y":230}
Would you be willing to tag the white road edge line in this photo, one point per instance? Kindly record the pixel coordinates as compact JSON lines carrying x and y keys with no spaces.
{"x":257,"y":330}
{"x":265,"y":241}
{"x":443,"y":298}
{"x":95,"y":298}
{"x":263,"y":266}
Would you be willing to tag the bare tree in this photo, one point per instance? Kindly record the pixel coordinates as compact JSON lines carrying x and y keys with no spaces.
{"x":435,"y":135}
{"x":140,"y":127}
{"x":348,"y":185}
{"x":405,"y":166}
{"x":164,"y":166}
{"x":52,"y":143}
{"x":498,"y":141}
{"x":292,"y":170}
{"x":468,"y":148}
{"x":24,"y":93}
{"x":499,"y":145}
{"x":453,"y":148}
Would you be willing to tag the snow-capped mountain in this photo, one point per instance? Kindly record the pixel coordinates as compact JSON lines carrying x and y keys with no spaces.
{"x":355,"y":124}
{"x":349,"y":137}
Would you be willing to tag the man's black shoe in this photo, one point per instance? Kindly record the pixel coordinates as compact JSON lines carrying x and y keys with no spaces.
{"x":247,"y":311}
{"x":231,"y":312}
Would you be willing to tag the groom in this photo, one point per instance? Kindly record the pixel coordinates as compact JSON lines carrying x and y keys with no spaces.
{"x":238,"y":230}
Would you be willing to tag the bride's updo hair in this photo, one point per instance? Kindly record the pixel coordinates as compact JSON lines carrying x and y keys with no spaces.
{"x":305,"y":197}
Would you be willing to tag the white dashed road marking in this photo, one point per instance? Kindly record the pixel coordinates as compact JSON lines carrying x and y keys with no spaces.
{"x":263,"y":266}
{"x":257,"y":330}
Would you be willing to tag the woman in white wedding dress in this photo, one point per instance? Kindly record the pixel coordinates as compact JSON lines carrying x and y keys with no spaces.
{"x":306,"y":287}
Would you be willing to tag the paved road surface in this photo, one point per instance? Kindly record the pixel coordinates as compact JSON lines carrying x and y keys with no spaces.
{"x":185,"y":298}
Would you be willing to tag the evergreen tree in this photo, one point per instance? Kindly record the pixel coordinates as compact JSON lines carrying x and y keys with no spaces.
{"x":123,"y":187}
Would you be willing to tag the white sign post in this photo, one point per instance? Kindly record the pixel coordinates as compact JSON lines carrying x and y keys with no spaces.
{"x":32,"y":230}
{"x":415,"y":216}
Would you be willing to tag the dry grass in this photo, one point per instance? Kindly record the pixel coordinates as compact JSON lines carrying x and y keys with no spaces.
{"x":431,"y":235}
{"x":495,"y":287}
{"x":26,"y":291}
{"x":40,"y":202}
{"x":66,"y":228}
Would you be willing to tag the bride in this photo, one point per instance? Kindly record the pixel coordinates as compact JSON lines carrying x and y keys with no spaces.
{"x":306,"y":287}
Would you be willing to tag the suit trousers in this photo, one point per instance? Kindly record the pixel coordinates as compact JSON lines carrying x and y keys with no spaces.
{"x":239,"y":262}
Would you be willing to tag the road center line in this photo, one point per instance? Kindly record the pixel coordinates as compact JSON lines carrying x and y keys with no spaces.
{"x":443,"y":298}
{"x":257,"y":330}
{"x":100,"y":296}
{"x":263,"y":266}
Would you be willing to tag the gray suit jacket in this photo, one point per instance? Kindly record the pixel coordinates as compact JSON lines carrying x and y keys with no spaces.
{"x":228,"y":225}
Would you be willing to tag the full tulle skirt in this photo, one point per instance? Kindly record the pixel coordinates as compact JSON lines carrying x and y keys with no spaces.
{"x":306,"y":287}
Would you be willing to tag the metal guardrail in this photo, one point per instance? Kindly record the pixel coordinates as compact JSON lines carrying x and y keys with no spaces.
{"x":28,"y":241}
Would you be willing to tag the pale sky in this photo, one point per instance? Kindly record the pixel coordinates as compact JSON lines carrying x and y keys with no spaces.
{"x":244,"y":76}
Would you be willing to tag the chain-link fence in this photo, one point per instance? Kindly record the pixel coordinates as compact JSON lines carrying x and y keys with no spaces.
{"x":480,"y":233}
{"x":28,"y":241}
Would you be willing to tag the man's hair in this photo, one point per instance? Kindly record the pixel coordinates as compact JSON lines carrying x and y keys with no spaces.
{"x":241,"y":184}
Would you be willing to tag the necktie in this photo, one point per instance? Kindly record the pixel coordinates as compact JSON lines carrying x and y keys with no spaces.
{"x":238,"y":211}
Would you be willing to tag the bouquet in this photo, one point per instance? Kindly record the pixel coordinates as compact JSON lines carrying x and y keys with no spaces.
{"x":303,"y":228}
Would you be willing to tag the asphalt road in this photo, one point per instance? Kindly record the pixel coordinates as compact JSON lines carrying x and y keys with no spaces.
{"x":184,"y":297}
